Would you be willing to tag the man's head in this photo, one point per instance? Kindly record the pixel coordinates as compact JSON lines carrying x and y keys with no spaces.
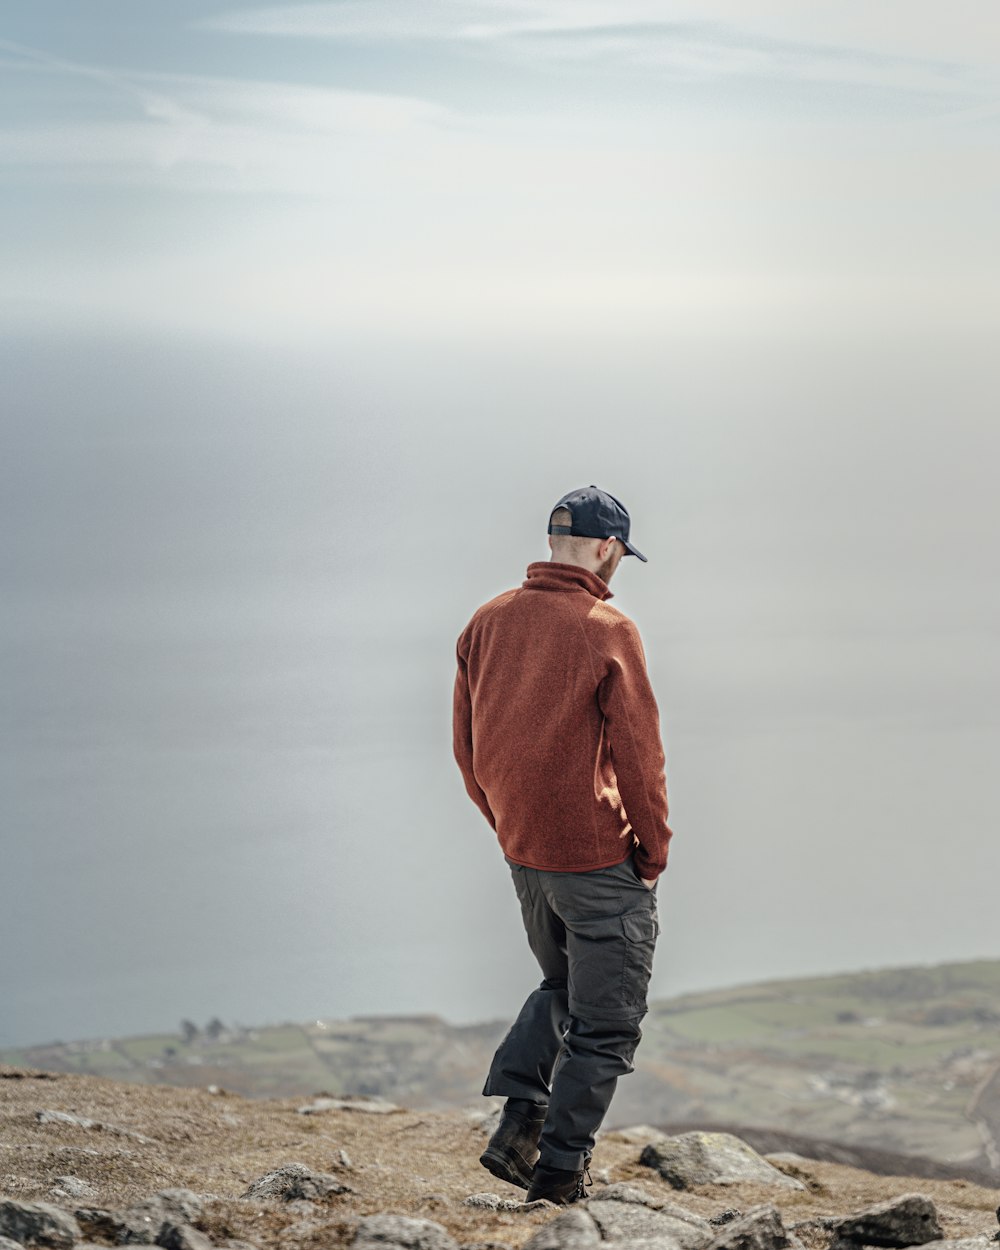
{"x":590,"y":528}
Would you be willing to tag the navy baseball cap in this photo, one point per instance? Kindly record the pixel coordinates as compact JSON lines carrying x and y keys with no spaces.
{"x":596,"y":514}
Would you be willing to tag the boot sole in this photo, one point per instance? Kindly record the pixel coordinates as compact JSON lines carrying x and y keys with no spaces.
{"x":504,"y":1168}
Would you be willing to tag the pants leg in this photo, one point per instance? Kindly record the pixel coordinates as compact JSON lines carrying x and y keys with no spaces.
{"x":596,"y":1054}
{"x":611,"y":926}
{"x":523,"y":1064}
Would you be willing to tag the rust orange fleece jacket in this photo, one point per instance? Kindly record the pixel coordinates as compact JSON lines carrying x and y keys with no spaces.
{"x":556,"y":728}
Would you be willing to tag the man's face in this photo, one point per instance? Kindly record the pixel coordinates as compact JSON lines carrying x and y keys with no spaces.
{"x":607,"y":569}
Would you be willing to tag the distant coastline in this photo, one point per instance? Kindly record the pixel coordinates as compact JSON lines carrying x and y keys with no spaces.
{"x":893,"y":1063}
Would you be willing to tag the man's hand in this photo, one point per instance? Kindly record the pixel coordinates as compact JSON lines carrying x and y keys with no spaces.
{"x":648,"y":884}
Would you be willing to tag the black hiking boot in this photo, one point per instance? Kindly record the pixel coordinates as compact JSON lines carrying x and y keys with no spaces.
{"x":513,"y":1148}
{"x":556,"y":1185}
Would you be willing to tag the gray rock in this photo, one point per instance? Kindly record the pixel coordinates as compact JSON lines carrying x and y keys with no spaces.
{"x":646,"y":1243}
{"x":295,"y":1180}
{"x":401,"y":1230}
{"x":761,"y":1228}
{"x":183,"y":1204}
{"x":701,"y":1158}
{"x":623,"y":1211}
{"x":910,"y":1220}
{"x":629,"y":1221}
{"x":961,"y":1243}
{"x":631,"y":1225}
{"x":72,"y":1187}
{"x":143,"y":1224}
{"x":622,"y":1191}
{"x":573,"y":1230}
{"x":38,"y":1224}
{"x":137,"y":1228}
{"x":304,"y":1207}
{"x":182,"y":1237}
{"x":7,"y":1244}
{"x":374,"y":1106}
{"x":492,"y":1202}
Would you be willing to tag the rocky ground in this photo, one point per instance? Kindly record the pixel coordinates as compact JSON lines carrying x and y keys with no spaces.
{"x":100,"y":1151}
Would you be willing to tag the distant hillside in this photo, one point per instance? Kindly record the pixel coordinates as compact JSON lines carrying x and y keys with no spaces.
{"x":903,"y":1061}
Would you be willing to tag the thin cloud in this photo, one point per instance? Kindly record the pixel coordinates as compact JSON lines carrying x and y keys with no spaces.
{"x":631,"y":33}
{"x":214,"y":132}
{"x":201,"y":99}
{"x":433,"y":19}
{"x":129,"y":87}
{"x":701,"y":52}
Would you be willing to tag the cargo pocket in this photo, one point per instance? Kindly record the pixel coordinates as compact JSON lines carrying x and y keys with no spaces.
{"x":597,"y":961}
{"x":640,"y":929}
{"x":610,"y":963}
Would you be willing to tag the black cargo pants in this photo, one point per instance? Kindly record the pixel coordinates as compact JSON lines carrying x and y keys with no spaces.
{"x":593,"y":934}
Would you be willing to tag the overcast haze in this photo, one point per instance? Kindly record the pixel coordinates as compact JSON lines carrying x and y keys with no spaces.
{"x":309,"y":314}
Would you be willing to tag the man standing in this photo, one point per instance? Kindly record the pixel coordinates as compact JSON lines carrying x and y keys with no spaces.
{"x":557,"y":735}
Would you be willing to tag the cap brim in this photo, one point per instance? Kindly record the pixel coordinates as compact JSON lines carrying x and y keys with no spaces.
{"x":633,"y":551}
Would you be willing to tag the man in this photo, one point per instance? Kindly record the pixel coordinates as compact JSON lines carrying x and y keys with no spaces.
{"x":557,"y":735}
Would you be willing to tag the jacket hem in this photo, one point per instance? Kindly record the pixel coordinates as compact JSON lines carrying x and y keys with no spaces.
{"x":591,"y":867}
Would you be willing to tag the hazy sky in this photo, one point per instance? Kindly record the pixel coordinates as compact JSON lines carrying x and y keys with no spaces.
{"x":310,"y":312}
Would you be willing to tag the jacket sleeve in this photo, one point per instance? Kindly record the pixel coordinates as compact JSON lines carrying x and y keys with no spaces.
{"x":632,"y":724}
{"x":462,"y":734}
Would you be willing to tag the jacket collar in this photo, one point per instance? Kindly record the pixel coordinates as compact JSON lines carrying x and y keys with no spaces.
{"x":551,"y":575}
